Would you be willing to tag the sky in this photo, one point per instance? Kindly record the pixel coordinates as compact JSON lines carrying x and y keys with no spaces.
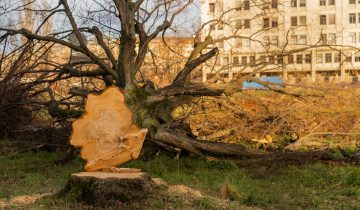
{"x":186,"y":23}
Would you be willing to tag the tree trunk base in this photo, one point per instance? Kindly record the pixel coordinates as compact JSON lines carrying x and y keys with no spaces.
{"x":103,"y":188}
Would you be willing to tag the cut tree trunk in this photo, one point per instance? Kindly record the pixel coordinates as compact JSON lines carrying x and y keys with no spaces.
{"x":166,"y":134}
{"x":102,"y":188}
{"x":106,"y":133}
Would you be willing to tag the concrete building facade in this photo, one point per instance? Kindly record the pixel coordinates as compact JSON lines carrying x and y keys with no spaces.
{"x":306,"y":41}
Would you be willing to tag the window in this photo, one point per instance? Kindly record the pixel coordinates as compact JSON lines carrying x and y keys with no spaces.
{"x":280,"y":59}
{"x":290,"y":59}
{"x":328,"y":57}
{"x":294,"y":21}
{"x":274,"y":4}
{"x":237,"y":5}
{"x":247,"y":5}
{"x":357,"y":58}
{"x":293,"y":39}
{"x":332,"y":38}
{"x":218,"y":61}
{"x":236,"y":60}
{"x":274,"y":23}
{"x":266,"y":40}
{"x":351,"y":1}
{"x":332,"y":19}
{"x":238,"y":42}
{"x":220,"y":8}
{"x":331,"y":2}
{"x":244,"y":60}
{"x":322,"y":19}
{"x":266,"y":22}
{"x":323,"y":38}
{"x":299,"y":59}
{"x":319,"y":58}
{"x":220,"y":44}
{"x":303,"y":39}
{"x":247,"y":23}
{"x":247,"y":43}
{"x":302,"y":20}
{"x":225,"y":60}
{"x":271,"y":59}
{"x":302,"y":3}
{"x":262,"y":58}
{"x":212,"y":7}
{"x":348,"y":58}
{"x":293,"y":3}
{"x":238,"y":24}
{"x":322,"y":2}
{"x":337,"y":57}
{"x":352,"y":18}
{"x":252,"y":59}
{"x":275,"y":40}
{"x":352,"y":37}
{"x":308,"y":58}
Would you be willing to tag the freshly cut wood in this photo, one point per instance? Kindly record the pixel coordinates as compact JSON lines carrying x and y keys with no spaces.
{"x":121,"y":170}
{"x":106,"y":133}
{"x":101,"y":188}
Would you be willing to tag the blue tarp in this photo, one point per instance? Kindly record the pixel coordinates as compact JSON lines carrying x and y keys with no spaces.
{"x":254,"y":85}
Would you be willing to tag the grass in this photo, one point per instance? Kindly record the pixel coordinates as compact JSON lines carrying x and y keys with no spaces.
{"x":31,"y":173}
{"x":316,"y":186}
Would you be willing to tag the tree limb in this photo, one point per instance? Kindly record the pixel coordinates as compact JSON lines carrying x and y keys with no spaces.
{"x":100,"y":41}
{"x":193,"y":90}
{"x":191,"y":65}
{"x":201,"y":147}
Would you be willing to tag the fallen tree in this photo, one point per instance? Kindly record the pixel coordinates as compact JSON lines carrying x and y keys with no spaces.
{"x":137,"y":23}
{"x":151,"y":107}
{"x":168,"y":135}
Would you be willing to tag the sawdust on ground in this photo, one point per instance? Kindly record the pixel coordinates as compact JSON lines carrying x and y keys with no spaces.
{"x":22,"y":200}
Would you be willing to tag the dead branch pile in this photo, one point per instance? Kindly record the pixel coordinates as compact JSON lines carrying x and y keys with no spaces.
{"x":331,"y":117}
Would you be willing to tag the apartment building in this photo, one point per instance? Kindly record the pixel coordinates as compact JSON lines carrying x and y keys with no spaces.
{"x":305,"y":41}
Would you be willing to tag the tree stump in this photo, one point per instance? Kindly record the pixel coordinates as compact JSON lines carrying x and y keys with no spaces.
{"x":103,"y":188}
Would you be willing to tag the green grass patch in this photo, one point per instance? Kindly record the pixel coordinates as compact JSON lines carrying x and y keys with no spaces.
{"x":32,"y":173}
{"x":316,"y":186}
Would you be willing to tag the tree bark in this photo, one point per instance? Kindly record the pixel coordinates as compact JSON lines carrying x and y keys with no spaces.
{"x":101,"y":188}
{"x":168,"y":135}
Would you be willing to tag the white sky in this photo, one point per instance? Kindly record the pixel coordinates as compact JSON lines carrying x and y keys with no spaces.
{"x":185,"y":24}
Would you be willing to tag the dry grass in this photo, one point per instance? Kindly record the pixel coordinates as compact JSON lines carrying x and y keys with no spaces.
{"x":332,"y":117}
